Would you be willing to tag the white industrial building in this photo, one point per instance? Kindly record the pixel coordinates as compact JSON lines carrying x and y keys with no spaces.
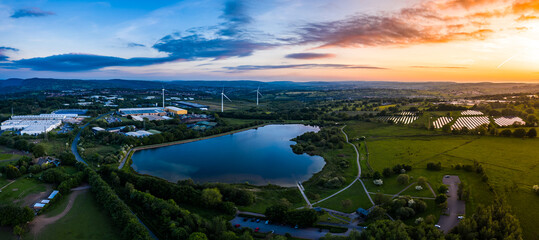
{"x":36,"y":124}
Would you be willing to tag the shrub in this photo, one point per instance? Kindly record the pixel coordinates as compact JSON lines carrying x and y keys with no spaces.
{"x":434,"y":166}
{"x":12,"y":172}
{"x":403,"y":179}
{"x":506,"y":133}
{"x":441,"y":198}
{"x":376,"y":175}
{"x":387,"y":172}
{"x":422,"y":181}
{"x":519,"y":133}
{"x":532,"y":133}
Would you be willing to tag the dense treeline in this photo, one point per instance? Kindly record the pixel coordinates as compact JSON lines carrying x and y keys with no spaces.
{"x":488,"y":222}
{"x":183,"y":192}
{"x":15,"y":215}
{"x":282,"y":214}
{"x":312,"y":142}
{"x":121,"y":215}
{"x":169,"y":221}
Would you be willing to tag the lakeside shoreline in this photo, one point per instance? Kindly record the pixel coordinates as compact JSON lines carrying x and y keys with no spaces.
{"x":133,"y":150}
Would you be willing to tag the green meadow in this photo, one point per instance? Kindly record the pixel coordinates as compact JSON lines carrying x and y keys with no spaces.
{"x":509,"y":163}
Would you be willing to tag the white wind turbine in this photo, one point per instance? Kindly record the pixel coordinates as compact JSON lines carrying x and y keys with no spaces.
{"x":223,"y":95}
{"x":258,"y":94}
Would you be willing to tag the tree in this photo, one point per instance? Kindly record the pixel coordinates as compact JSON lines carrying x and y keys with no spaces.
{"x":532,"y":133}
{"x":18,"y":230}
{"x":403,"y":179}
{"x":376,"y":175}
{"x":490,"y":222}
{"x":198,"y":236}
{"x":506,"y":133}
{"x":443,"y":188}
{"x":38,"y":150}
{"x":211,"y":196}
{"x":276,"y":213}
{"x":12,"y":172}
{"x":67,"y":159}
{"x":519,"y":133}
{"x":441,"y":198}
{"x":422,"y":181}
{"x":377,"y":213}
{"x":387,"y":172}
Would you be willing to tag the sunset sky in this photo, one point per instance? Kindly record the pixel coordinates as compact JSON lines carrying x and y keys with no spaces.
{"x":299,"y":40}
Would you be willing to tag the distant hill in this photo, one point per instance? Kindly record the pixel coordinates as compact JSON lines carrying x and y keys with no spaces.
{"x":14,"y":85}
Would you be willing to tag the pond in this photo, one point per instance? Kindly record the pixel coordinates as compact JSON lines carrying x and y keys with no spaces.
{"x":257,"y":156}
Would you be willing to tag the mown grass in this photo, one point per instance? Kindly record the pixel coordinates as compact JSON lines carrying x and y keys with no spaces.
{"x":332,"y":157}
{"x":330,"y":219}
{"x":355,"y":193}
{"x":86,"y":220}
{"x":267,"y":196}
{"x":21,"y":188}
{"x":510,"y":164}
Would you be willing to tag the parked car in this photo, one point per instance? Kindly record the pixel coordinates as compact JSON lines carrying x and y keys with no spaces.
{"x":257,"y":229}
{"x":437,"y":226}
{"x":460,"y":217}
{"x":252,"y":219}
{"x":258,"y":220}
{"x":237,"y":225}
{"x":267,"y":222}
{"x":245,"y":219}
{"x":296,"y":227}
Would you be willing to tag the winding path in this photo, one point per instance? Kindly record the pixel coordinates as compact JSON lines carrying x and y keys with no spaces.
{"x":355,"y":180}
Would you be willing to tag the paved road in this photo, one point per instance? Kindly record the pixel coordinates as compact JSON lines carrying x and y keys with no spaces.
{"x":357,"y":178}
{"x":125,"y":159}
{"x":307,"y":233}
{"x":74,"y":149}
{"x":455,"y":207}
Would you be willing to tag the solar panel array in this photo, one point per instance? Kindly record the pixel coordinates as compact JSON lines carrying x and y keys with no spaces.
{"x":508,"y":121}
{"x":471,"y":113}
{"x":442,"y":121}
{"x":399,"y":119}
{"x":470,"y":122}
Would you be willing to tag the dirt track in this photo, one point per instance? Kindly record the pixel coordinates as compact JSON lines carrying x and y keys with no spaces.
{"x":41,"y":221}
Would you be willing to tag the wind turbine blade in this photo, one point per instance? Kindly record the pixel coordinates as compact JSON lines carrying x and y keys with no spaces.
{"x":224,"y":95}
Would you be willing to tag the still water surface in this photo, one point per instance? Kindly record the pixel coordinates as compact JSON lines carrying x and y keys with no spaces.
{"x":258,"y":156}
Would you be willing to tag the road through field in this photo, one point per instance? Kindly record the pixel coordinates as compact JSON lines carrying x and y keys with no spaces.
{"x":358,"y":174}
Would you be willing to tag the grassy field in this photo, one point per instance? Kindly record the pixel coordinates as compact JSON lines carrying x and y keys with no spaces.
{"x":266,"y":197}
{"x":315,"y":192}
{"x":21,"y":188}
{"x":510,"y":164}
{"x":355,"y":193}
{"x":86,"y":220}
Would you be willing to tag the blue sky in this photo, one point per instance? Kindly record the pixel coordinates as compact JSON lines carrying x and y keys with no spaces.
{"x":261,"y":40}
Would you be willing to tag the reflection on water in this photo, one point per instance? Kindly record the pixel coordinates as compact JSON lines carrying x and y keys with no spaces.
{"x":258,"y":156}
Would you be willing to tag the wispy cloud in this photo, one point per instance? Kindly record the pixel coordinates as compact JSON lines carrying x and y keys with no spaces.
{"x":3,"y":56}
{"x":309,"y":55}
{"x":235,"y":18}
{"x":81,"y":62}
{"x":300,"y":66}
{"x":133,"y":44}
{"x":31,"y":12}
{"x":196,"y":46}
